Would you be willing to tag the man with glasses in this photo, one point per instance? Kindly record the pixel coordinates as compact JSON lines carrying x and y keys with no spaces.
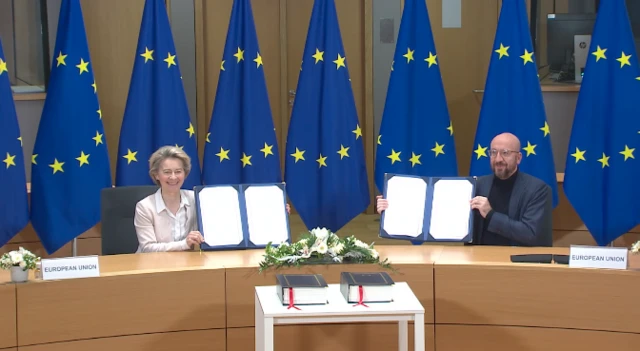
{"x":511,"y":208}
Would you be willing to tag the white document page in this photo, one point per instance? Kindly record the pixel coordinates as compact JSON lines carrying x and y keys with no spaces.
{"x":220,"y":211}
{"x":450,"y":209}
{"x":405,"y":214}
{"x":266,"y":214}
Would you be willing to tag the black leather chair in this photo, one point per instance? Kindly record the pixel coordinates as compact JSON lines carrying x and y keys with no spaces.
{"x":118,"y":207}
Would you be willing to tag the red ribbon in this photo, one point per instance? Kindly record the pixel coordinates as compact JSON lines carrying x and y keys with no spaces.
{"x":360,"y":297}
{"x":291,"y":300}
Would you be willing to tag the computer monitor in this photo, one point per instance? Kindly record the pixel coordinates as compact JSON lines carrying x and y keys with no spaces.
{"x":561,"y":31}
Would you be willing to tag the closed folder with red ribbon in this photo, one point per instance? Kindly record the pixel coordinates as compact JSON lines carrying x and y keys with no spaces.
{"x":362,"y":288}
{"x":301,"y":289}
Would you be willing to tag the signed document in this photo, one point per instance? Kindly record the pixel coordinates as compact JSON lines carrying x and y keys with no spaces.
{"x":243,"y":215}
{"x":405,"y":214}
{"x":440,"y":204}
{"x":450,"y":209}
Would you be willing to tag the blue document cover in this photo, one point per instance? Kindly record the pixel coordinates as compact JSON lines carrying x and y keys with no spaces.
{"x":428,"y":209}
{"x":242,"y":216}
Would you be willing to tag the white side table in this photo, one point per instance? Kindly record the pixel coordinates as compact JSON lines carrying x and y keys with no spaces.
{"x":404,"y":308}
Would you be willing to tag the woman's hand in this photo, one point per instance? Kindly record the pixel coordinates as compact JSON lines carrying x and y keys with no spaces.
{"x":194,"y":238}
{"x":288,"y":209}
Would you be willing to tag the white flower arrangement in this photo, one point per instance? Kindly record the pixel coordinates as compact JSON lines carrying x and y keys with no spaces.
{"x":635,"y":248}
{"x":320,"y":246}
{"x":19,"y":258}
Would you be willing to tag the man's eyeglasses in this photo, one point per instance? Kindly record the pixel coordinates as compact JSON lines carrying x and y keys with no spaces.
{"x":504,"y":153}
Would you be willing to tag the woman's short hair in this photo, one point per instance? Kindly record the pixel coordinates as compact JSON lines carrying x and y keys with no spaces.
{"x":164,"y":153}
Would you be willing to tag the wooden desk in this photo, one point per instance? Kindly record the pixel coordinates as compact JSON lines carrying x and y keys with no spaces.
{"x":8,"y":308}
{"x":474,"y":299}
{"x":131,"y":306}
{"x":500,"y":305}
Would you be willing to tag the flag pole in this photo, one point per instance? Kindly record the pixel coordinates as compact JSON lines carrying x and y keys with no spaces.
{"x":75,"y":247}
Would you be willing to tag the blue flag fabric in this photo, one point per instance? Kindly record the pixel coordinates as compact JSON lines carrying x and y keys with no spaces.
{"x":416,"y":134}
{"x":512,"y":100}
{"x":14,"y":208}
{"x":70,"y":164}
{"x":156,"y":113}
{"x":325,"y":168}
{"x":241,"y":144}
{"x":601,"y":174}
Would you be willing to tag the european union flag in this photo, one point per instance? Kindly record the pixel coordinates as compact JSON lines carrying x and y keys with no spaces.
{"x":70,"y":164}
{"x":416,"y":134}
{"x":512,"y":101}
{"x":14,"y":208}
{"x":156,"y":113}
{"x":241,"y":144}
{"x":601,"y":174}
{"x":325,"y":168}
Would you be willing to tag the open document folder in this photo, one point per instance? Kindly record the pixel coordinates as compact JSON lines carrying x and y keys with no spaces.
{"x":242,"y":215}
{"x":428,"y":208}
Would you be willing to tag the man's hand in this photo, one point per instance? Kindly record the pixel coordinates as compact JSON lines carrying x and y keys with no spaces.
{"x":481,"y":204}
{"x":382,"y":204}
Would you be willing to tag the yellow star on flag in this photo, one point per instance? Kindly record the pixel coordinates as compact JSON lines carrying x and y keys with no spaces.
{"x":409,"y":55}
{"x":95,"y":87}
{"x":267,"y":150}
{"x":57,"y":166}
{"x":170,"y":60}
{"x":10,"y":160}
{"x":130,"y":156}
{"x":530,"y":149}
{"x":82,"y":66}
{"x":99,"y":113}
{"x":579,"y":155}
{"x":604,"y":160}
{"x":343,"y":152}
{"x":3,"y":66}
{"x":627,"y":152}
{"x":599,"y":53}
{"x":431,"y":59}
{"x":246,"y":160}
{"x":299,"y":155}
{"x":450,"y":128}
{"x":84,"y":159}
{"x":380,"y":139}
{"x":624,"y":60}
{"x":20,"y":139}
{"x":395,"y":156}
{"x":339,"y":62}
{"x":98,"y":138}
{"x":322,"y":161}
{"x":222,"y":65}
{"x":190,"y":130}
{"x":527,"y":56}
{"x":239,"y":55}
{"x":415,"y":159}
{"x":545,"y":129}
{"x":147,"y":54}
{"x":357,"y":131}
{"x":258,"y":60}
{"x":207,"y":138}
{"x":503,"y":51}
{"x":33,"y":159}
{"x":318,"y":55}
{"x":223,"y":154}
{"x":438,"y":149}
{"x":60,"y":59}
{"x":481,"y":151}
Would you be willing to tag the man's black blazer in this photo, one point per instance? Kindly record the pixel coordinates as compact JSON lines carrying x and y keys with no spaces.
{"x":529,"y":219}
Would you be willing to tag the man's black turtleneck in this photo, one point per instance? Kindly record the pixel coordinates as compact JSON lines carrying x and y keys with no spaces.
{"x":499,"y":197}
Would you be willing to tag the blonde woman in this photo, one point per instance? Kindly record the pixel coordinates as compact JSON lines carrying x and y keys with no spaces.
{"x":166,"y":220}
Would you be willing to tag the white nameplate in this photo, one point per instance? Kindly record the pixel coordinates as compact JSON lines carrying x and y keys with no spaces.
{"x":598,"y":257}
{"x":70,"y":267}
